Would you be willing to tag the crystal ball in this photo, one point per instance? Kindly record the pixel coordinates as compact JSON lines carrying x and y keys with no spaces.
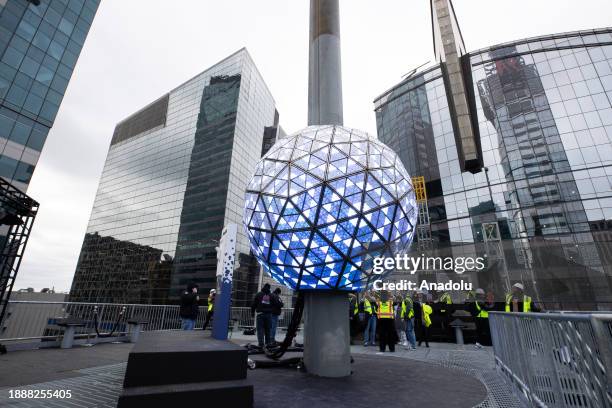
{"x":323,"y":204}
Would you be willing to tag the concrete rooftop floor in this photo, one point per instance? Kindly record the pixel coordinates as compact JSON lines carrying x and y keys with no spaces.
{"x":95,"y":374}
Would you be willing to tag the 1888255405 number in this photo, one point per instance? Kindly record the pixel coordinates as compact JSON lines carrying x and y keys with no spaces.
{"x":40,"y":394}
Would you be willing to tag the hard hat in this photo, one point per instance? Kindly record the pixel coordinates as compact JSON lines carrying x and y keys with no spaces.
{"x":480,"y":291}
{"x":518,"y":286}
{"x":213,"y":291}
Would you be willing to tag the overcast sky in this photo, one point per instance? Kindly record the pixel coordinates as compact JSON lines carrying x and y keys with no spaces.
{"x":137,"y":51}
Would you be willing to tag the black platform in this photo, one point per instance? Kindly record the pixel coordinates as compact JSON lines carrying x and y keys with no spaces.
{"x":166,"y":368}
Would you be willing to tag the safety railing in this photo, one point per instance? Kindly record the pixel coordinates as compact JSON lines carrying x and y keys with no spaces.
{"x":556,"y":359}
{"x":29,"y":320}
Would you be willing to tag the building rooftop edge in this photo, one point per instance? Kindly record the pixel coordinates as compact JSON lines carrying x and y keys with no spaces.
{"x":237,"y":52}
{"x":498,"y":46}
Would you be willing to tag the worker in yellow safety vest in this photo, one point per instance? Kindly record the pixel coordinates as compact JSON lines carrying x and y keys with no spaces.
{"x":353,"y":305}
{"x":422,"y":317}
{"x":407,"y":314}
{"x":211,"y":304}
{"x":479,"y":309}
{"x":446,"y":310}
{"x":386,"y":322}
{"x":354,"y":323}
{"x":518,"y":301}
{"x":445,"y":299}
{"x":369,"y":310}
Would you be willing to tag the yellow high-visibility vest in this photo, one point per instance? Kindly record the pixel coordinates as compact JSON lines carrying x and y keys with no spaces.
{"x":445,"y":298}
{"x":211,"y":302}
{"x":483,"y":314}
{"x":404,"y":308}
{"x":385,"y":310}
{"x":367,"y":307}
{"x":526,"y":303}
{"x":427,"y":310}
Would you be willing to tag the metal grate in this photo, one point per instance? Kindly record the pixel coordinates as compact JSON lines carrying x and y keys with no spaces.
{"x":555,"y":359}
{"x":479,"y":364}
{"x":97,"y":387}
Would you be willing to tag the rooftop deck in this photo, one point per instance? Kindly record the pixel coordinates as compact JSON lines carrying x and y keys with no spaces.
{"x":95,"y":374}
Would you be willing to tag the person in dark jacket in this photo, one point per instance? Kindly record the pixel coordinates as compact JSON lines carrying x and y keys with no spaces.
{"x":354,"y":322}
{"x":262,"y":305}
{"x":420,"y":324}
{"x":277,"y":308}
{"x":189,"y":307}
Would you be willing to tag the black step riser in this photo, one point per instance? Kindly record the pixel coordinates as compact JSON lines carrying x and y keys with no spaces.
{"x":185,"y":367}
{"x":181,"y":368}
{"x":238,"y":397}
{"x":183,"y":357}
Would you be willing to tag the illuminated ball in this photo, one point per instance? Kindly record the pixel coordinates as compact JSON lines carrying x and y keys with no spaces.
{"x":323,"y":203}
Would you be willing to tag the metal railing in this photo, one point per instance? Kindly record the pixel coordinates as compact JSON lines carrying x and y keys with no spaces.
{"x":556,"y":359}
{"x":30,"y":320}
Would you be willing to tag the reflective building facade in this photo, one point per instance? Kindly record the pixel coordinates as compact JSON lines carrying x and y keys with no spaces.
{"x":40,"y":42}
{"x":175,"y":174}
{"x":540,"y":210}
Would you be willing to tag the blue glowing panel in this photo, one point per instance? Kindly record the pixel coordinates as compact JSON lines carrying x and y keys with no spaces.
{"x":323,"y":203}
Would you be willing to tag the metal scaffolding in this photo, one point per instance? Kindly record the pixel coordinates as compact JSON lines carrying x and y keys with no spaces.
{"x":17,"y":213}
{"x":423,"y":227}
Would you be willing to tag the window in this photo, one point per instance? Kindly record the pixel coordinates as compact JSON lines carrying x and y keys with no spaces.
{"x":29,"y":67}
{"x":66,"y":26}
{"x":45,"y":75}
{"x":16,"y":95}
{"x":56,"y":50}
{"x":23,"y":172}
{"x":37,"y":140}
{"x":6,"y":125}
{"x":7,"y":167}
{"x":20,"y":133}
{"x":33,"y":103}
{"x":12,"y":57}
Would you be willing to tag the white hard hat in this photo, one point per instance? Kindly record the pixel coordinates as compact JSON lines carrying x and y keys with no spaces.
{"x":213,"y":291}
{"x":480,"y":291}
{"x":518,"y":285}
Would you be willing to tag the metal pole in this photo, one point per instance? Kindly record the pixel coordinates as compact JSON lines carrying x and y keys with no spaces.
{"x":324,"y":73}
{"x":327,"y":350}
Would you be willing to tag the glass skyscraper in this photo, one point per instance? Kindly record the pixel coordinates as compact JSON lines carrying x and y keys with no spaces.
{"x":175,"y":174}
{"x":540,"y":210}
{"x":40,"y":42}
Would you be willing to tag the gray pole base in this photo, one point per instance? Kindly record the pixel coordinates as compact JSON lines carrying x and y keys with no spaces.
{"x":459,"y":335}
{"x":134,"y":332}
{"x":327,"y":351}
{"x":68,"y":338}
